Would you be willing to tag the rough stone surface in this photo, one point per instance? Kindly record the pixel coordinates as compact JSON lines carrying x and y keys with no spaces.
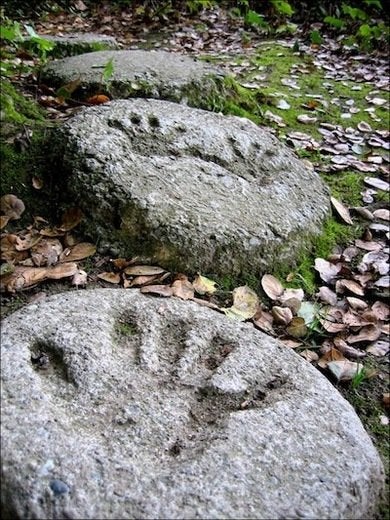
{"x":193,"y":189}
{"x":137,"y":73}
{"x":71,"y":44}
{"x":118,"y":406}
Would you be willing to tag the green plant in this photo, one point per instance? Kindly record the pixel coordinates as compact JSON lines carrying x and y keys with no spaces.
{"x":359,"y":377}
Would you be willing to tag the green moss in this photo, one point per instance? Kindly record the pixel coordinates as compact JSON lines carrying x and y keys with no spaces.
{"x":15,"y":107}
{"x":305,"y":276}
{"x":346,"y":186}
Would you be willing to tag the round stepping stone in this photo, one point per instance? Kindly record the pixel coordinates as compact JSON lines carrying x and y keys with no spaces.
{"x":194,"y":190}
{"x":136,"y":73}
{"x":71,"y":44}
{"x":150,"y":408}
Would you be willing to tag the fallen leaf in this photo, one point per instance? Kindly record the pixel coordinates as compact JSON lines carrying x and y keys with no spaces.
{"x":143,"y":270}
{"x":109,"y":277}
{"x":78,"y":252}
{"x":309,"y":355}
{"x":70,"y":219}
{"x":341,"y":210}
{"x":356,"y":303}
{"x":11,"y":206}
{"x":327,"y":295}
{"x":327,"y":270}
{"x":297,"y":328}
{"x":3,"y":221}
{"x":206,"y":303}
{"x":347,"y":350}
{"x":377,"y":183}
{"x":367,"y":333}
{"x":271,"y":286}
{"x":264,"y":321}
{"x":183,"y":289}
{"x":46,"y":252}
{"x":351,"y":285}
{"x":282,"y":315}
{"x":203,"y":285}
{"x":61,"y":271}
{"x":291,"y":343}
{"x":332,"y":321}
{"x":98,"y":99}
{"x":37,"y":183}
{"x":381,"y":310}
{"x":379,"y":348}
{"x":383,"y":214}
{"x":291,"y":293}
{"x":245,"y":304}
{"x":158,"y":290}
{"x":306,"y":119}
{"x":344,"y":370}
{"x":331,"y":355}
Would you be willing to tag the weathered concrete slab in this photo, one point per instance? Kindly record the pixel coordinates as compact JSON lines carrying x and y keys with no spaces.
{"x":195,"y":190}
{"x":117,"y":406}
{"x":71,"y":44}
{"x":136,"y":73}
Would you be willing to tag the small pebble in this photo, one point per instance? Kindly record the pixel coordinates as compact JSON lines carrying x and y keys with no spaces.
{"x":59,"y":487}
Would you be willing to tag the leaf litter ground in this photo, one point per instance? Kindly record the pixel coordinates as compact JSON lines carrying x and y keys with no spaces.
{"x":330,"y":104}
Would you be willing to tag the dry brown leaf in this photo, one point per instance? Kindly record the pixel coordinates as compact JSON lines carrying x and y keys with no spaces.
{"x":382,"y":213}
{"x":282,"y":315}
{"x":381,"y":310}
{"x":98,"y":99}
{"x":61,"y":271}
{"x":109,"y":277}
{"x":293,"y":303}
{"x":183,"y":289}
{"x":51,"y":232}
{"x":27,"y":242}
{"x":309,"y":355}
{"x":37,"y":183}
{"x":333,"y":320}
{"x":11,"y":206}
{"x":291,"y":343}
{"x":326,"y":295}
{"x":120,"y":263}
{"x":327,"y":270}
{"x":263,"y":320}
{"x":3,"y":221}
{"x":331,"y":355}
{"x":297,"y":328}
{"x":341,"y":210}
{"x":139,"y":281}
{"x":143,"y":270}
{"x":347,"y":350}
{"x":46,"y":252}
{"x":352,"y":319}
{"x":158,"y":290}
{"x":271,"y":286}
{"x":366,"y":333}
{"x":78,"y":252}
{"x":245,"y":304}
{"x":70,"y":219}
{"x":379,"y":348}
{"x":291,"y":293}
{"x":368,"y":245}
{"x":206,"y":303}
{"x":344,"y":370}
{"x":351,"y":285}
{"x":356,"y":303}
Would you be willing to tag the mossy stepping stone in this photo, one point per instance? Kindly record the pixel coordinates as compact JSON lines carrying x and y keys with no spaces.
{"x":136,"y":73}
{"x":71,"y":44}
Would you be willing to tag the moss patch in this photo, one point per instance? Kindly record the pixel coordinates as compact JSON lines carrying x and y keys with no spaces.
{"x":16,"y":107}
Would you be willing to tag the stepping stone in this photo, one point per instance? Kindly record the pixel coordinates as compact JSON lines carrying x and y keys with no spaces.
{"x":137,"y":73}
{"x":71,"y":44}
{"x":193,"y":190}
{"x":119,"y":405}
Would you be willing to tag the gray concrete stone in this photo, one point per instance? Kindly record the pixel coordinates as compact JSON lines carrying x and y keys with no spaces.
{"x":117,"y":405}
{"x":71,"y":44}
{"x":195,"y":190}
{"x":137,"y":73}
